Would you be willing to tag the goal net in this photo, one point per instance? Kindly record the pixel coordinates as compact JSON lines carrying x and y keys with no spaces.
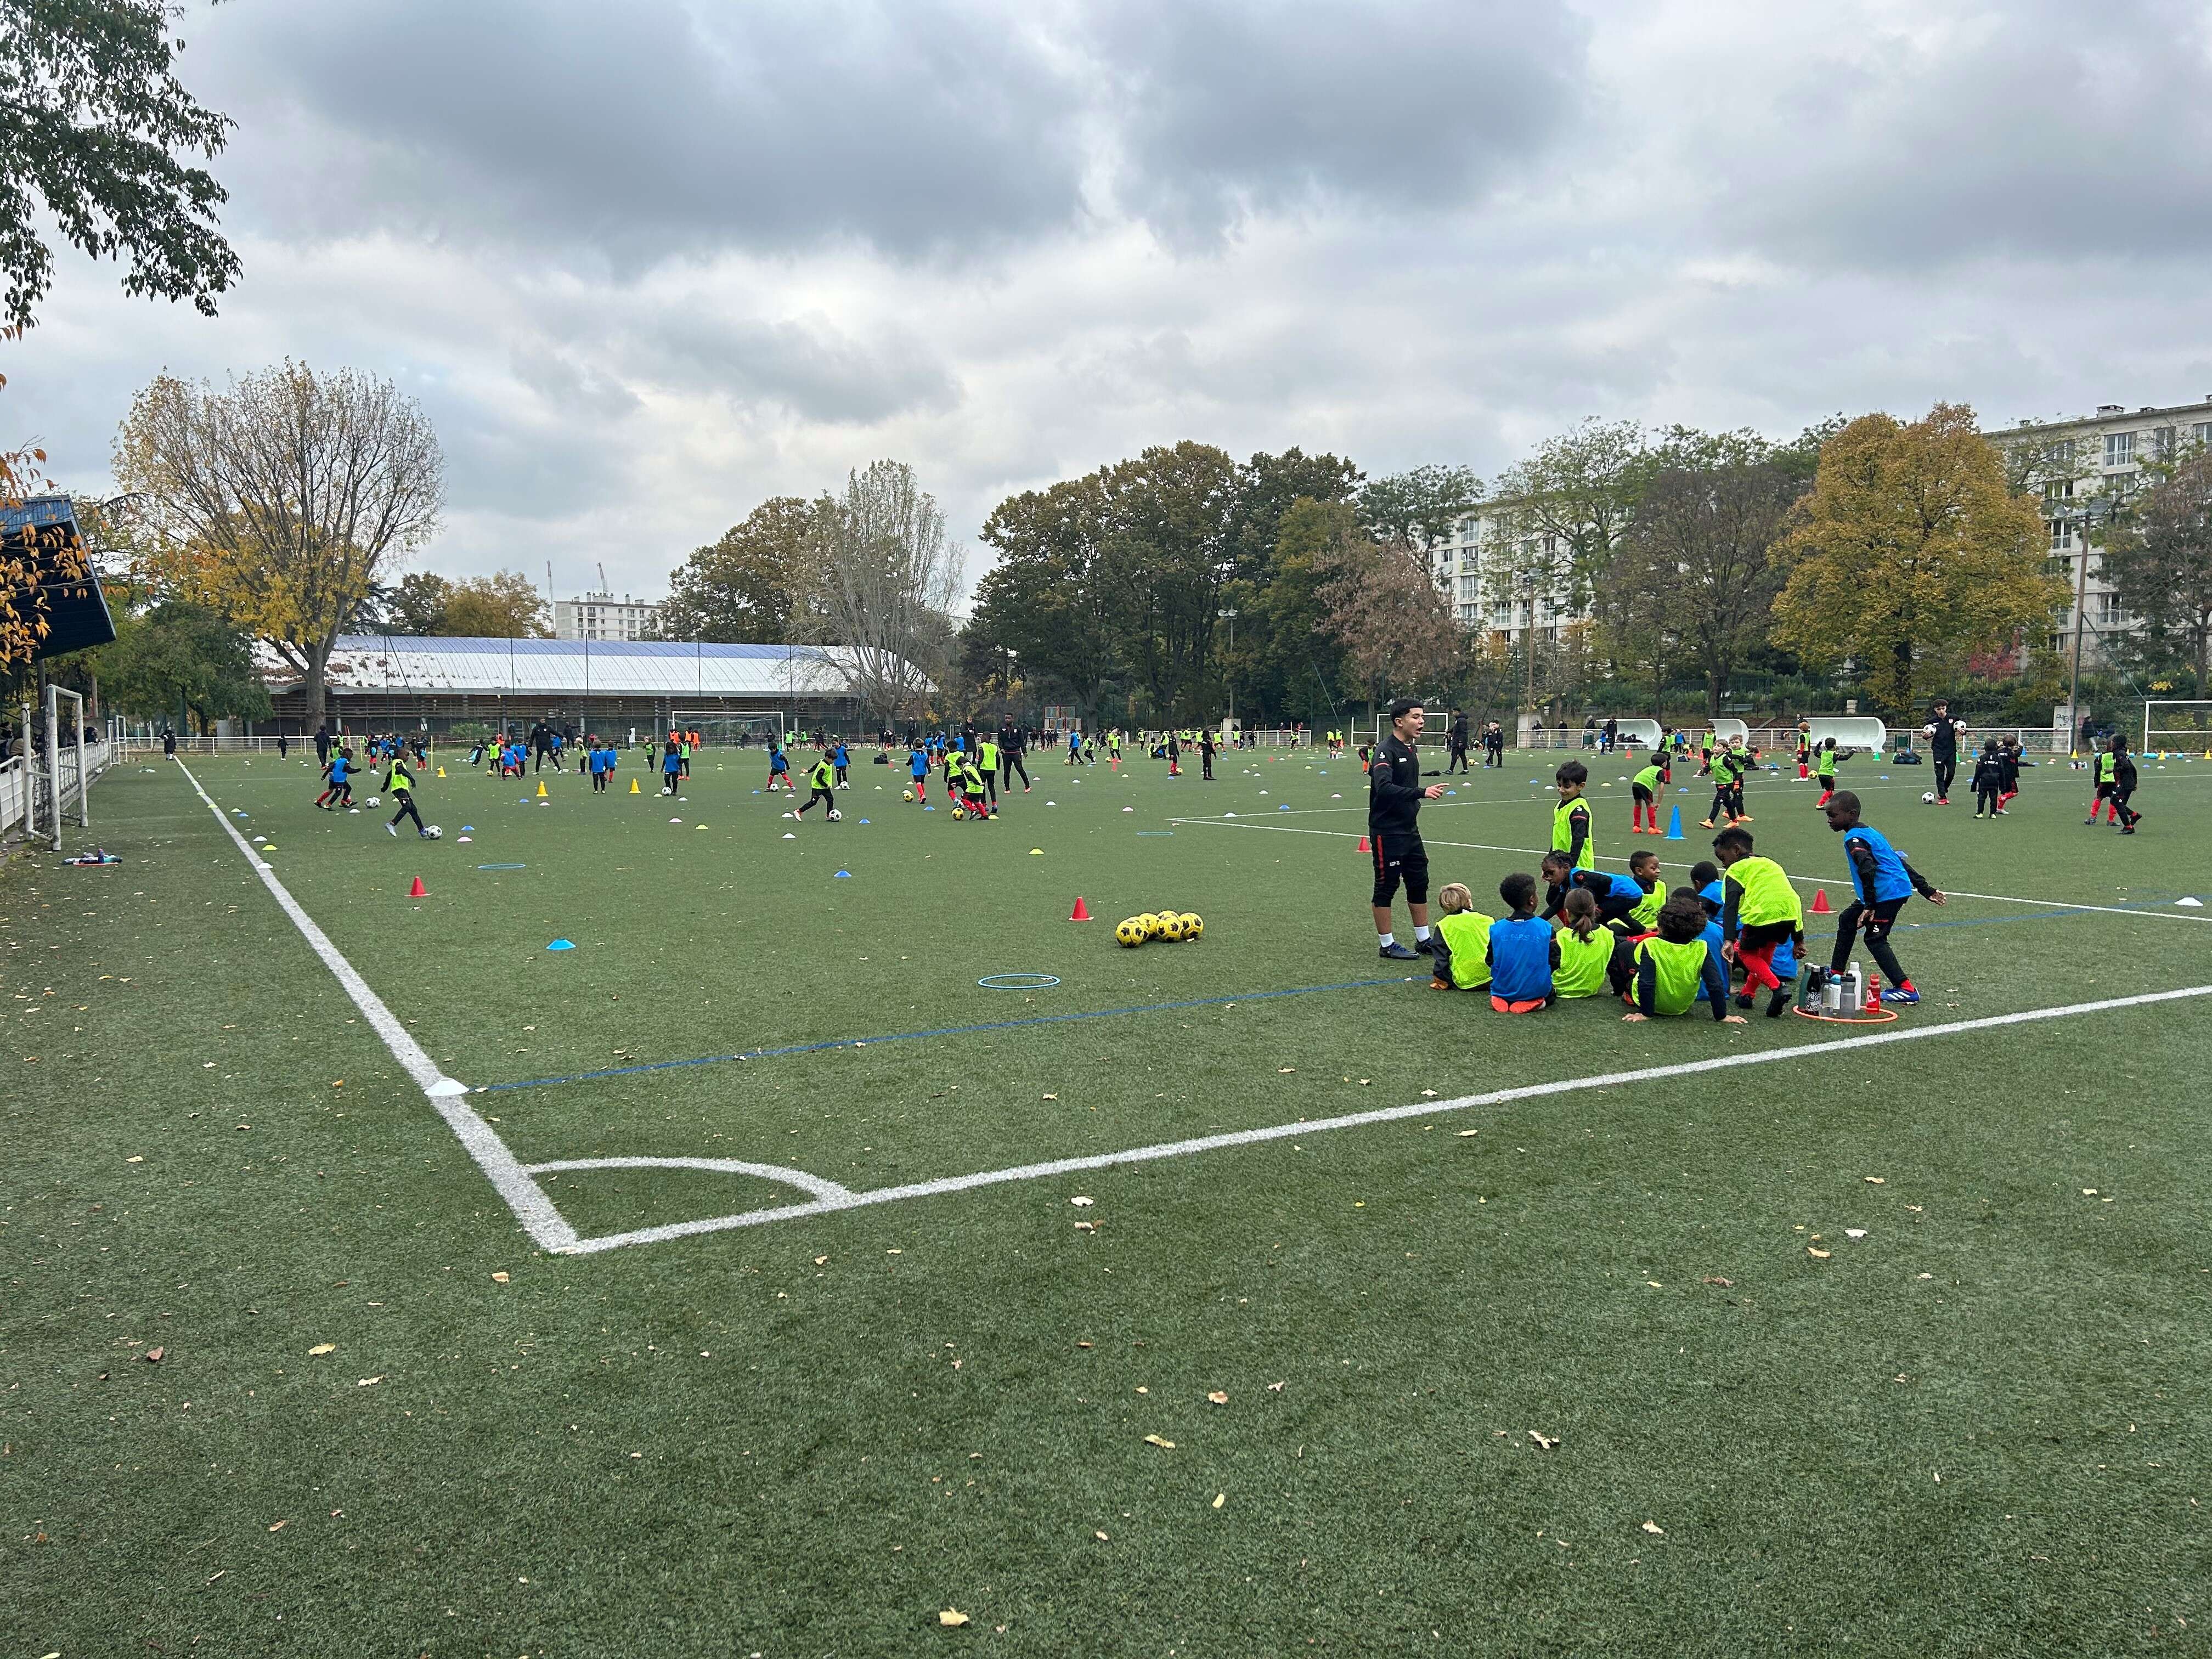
{"x":2177,"y":728}
{"x":721,"y":728}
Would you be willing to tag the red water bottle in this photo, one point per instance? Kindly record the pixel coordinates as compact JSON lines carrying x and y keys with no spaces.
{"x":1874,"y":994}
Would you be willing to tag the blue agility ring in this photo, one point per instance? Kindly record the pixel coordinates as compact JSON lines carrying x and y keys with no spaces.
{"x":1019,"y":982}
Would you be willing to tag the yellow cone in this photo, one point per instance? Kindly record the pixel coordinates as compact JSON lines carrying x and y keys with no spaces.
{"x":441,"y":771}
{"x":633,"y":785}
{"x":541,"y":789}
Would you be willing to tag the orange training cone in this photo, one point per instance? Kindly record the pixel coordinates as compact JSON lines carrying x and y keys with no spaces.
{"x":417,"y":889}
{"x":1819,"y":901}
{"x":1363,"y":846}
{"x":1082,"y":913}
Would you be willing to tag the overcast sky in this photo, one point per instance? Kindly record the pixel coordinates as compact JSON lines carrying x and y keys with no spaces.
{"x":647,"y":264}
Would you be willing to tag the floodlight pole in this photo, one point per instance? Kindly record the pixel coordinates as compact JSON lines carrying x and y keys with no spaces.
{"x":2086,"y":515}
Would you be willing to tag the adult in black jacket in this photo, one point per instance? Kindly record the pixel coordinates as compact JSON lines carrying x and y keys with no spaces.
{"x":1394,"y":795}
{"x":1944,"y":749}
{"x":1458,"y":741}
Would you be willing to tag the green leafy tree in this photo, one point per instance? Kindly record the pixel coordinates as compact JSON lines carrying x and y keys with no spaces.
{"x":1691,"y":584}
{"x":1169,"y":551}
{"x":2159,"y":564}
{"x":181,"y":655}
{"x":741,"y":589}
{"x":1911,"y":553}
{"x":1573,"y":500}
{"x":506,"y":605}
{"x":416,"y":605}
{"x":94,"y":123}
{"x":1417,"y":508}
{"x":1053,"y":599}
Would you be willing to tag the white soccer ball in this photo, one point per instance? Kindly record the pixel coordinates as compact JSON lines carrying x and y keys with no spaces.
{"x":1929,"y":798}
{"x":433,"y":832}
{"x":373,"y":800}
{"x":834,"y":815}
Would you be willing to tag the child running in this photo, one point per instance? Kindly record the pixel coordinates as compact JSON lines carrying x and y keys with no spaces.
{"x":672,"y":767}
{"x":400,"y":784}
{"x":822,"y":780}
{"x":1883,"y":881}
{"x":917,"y":770}
{"x":778,"y":767}
{"x":339,"y":771}
{"x":1759,"y":910}
{"x":1826,"y":759}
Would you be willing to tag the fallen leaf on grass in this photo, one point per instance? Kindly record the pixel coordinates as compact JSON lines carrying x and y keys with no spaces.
{"x":1818,"y":1256}
{"x":1366,"y":1081}
{"x":951,"y":1617}
{"x":1154,"y":1440}
{"x":1285,"y":1071}
{"x":821,"y":1260}
{"x":1464,"y":1133}
{"x":1654,"y":1529}
{"x":1101,"y":1537}
{"x":1218,"y":1397}
{"x":1875,"y":1181}
{"x":1086,"y":1226}
{"x":1276,"y":1388}
{"x":1051,"y":1096}
{"x":1725,"y":1283}
{"x":322,"y":1348}
{"x":1083,"y":1345}
{"x":1546,"y":1441}
{"x":153,"y":1356}
{"x":1219,"y":1498}
{"x":139,"y":1160}
{"x":370,"y":1382}
{"x":280,"y":1526}
{"x":1431,"y":1093}
{"x":499,"y":1279}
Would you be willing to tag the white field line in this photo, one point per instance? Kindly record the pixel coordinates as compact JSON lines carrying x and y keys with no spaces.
{"x":1350,"y":1121}
{"x":1802,"y":881}
{"x":531,"y":1208}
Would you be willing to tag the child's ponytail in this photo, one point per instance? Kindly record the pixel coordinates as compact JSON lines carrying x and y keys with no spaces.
{"x":1579,"y":912}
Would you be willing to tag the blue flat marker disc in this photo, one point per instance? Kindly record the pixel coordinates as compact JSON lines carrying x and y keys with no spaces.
{"x":1019,"y":982}
{"x":502,"y":866}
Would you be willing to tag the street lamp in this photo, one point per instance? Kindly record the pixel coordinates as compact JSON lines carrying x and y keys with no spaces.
{"x":2102,"y":507}
{"x":1229,"y":617}
{"x":1528,"y":633}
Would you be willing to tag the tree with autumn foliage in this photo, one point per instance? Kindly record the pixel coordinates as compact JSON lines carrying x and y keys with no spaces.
{"x":280,"y":499}
{"x":1909,"y":554}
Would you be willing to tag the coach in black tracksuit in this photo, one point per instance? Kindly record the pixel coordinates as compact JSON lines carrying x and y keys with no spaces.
{"x":1944,"y":749}
{"x":1393,"y":805}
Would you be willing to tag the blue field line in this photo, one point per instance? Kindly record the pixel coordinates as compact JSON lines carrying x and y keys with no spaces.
{"x":943,"y":1031}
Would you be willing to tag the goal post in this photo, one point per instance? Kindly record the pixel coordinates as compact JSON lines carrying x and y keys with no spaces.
{"x":2176,"y":725}
{"x":731,"y":728}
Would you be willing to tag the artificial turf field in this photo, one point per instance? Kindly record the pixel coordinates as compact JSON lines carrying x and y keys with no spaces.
{"x":1597,"y":1369}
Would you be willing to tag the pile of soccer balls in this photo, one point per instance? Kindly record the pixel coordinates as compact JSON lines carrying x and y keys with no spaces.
{"x":1173,"y":926}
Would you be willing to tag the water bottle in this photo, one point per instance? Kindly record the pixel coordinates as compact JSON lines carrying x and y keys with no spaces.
{"x":1854,"y":990}
{"x":1831,"y":995}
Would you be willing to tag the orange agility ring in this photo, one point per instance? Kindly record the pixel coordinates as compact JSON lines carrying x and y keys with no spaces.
{"x":1879,"y":1017}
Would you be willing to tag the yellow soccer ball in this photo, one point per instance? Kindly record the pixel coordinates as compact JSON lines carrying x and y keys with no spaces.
{"x":1130,"y":932}
{"x":907,"y":795}
{"x":1171,"y":927}
{"x":958,"y":815}
{"x":1151,"y":924}
{"x":1193,"y":926}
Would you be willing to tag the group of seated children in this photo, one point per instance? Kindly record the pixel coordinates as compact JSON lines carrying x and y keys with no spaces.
{"x":1661,"y":953}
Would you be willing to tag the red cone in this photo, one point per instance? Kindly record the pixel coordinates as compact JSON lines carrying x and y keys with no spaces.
{"x":1363,"y":846}
{"x":1819,"y":901}
{"x":418,"y":890}
{"x":1082,"y":913}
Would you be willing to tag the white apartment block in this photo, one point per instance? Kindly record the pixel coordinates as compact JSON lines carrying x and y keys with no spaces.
{"x":2071,"y":463}
{"x":602,"y":616}
{"x":1474,"y":565}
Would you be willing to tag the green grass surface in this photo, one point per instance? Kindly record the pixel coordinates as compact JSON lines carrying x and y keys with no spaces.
{"x":810,"y":1436}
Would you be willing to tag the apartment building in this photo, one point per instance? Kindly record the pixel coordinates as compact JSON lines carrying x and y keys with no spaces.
{"x":602,"y":616}
{"x":2081,"y":468}
{"x":1483,"y":564}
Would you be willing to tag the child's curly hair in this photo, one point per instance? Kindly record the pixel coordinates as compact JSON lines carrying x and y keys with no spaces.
{"x":1682,"y":919}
